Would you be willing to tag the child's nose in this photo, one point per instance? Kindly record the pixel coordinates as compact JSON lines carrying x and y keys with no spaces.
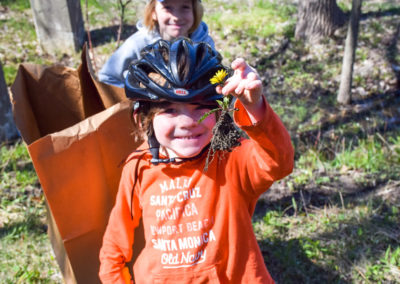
{"x":175,"y":14}
{"x":189,"y":120}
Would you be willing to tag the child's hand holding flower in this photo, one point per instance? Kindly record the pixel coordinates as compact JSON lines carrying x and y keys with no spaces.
{"x":246,"y":85}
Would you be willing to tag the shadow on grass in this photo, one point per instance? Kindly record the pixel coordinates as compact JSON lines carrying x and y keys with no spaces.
{"x":31,"y":225}
{"x":375,"y":114}
{"x":108,"y":34}
{"x":287,"y":263}
{"x":355,"y":241}
{"x":380,"y":13}
{"x":366,"y":239}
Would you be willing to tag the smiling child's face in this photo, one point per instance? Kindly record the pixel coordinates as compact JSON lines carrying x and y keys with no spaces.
{"x":178,"y":131}
{"x":174,"y":17}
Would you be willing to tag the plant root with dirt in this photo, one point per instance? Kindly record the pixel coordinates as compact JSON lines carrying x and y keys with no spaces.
{"x":225,"y":137}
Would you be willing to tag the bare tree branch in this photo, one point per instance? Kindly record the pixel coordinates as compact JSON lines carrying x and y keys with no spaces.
{"x":122,"y":6}
{"x":89,"y":37}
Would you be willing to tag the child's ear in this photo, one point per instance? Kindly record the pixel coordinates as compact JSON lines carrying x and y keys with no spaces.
{"x":136,"y":118}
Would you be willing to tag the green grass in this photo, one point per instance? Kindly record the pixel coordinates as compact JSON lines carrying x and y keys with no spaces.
{"x":371,"y":159}
{"x":99,"y":11}
{"x":262,"y":19}
{"x":18,"y":38}
{"x":369,"y":156}
{"x":26,"y":255}
{"x":18,"y":5}
{"x":357,"y":243}
{"x":24,"y":261}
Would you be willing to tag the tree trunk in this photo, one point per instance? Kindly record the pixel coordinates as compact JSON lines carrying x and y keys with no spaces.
{"x":317,"y":19}
{"x":344,"y":95}
{"x":59,"y":25}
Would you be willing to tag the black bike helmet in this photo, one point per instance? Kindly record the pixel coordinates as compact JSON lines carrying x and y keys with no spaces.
{"x":186,"y":79}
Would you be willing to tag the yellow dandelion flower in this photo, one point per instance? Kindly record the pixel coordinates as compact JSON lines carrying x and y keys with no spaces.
{"x":219,"y":77}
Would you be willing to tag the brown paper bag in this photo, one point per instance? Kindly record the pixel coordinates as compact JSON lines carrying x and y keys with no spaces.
{"x":49,"y":99}
{"x":78,"y":133}
{"x":79,"y":169}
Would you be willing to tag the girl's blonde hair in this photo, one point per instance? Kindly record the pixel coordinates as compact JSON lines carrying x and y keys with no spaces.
{"x":151,"y":25}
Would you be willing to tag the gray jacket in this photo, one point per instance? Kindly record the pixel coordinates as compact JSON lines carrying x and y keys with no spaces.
{"x":114,"y":70}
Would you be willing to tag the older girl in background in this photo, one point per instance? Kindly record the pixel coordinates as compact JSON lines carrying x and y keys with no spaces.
{"x":163,"y":19}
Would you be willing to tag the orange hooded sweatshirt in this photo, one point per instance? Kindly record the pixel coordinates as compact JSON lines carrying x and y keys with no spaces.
{"x":197,"y":224}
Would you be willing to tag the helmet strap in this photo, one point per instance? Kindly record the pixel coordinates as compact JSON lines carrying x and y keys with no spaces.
{"x":154,"y":147}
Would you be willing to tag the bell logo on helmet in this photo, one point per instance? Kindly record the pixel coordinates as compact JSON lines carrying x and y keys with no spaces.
{"x":181,"y":92}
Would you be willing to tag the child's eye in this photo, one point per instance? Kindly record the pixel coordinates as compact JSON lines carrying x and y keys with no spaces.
{"x":169,"y":111}
{"x":202,"y":110}
{"x":168,"y":8}
{"x":205,"y":108}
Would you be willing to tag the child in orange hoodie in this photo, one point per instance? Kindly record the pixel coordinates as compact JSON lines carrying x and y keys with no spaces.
{"x":197,"y":223}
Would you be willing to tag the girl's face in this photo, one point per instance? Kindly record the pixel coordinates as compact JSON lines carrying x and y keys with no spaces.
{"x":174,"y":18}
{"x":179,"y":132}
